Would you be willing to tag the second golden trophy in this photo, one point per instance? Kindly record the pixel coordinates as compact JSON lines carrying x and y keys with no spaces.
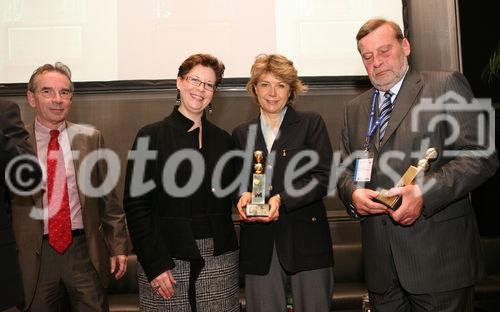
{"x":258,"y":206}
{"x":408,"y":178}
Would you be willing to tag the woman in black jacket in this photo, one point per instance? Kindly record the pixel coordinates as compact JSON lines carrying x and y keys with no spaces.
{"x":292,"y":243}
{"x":180,"y":227}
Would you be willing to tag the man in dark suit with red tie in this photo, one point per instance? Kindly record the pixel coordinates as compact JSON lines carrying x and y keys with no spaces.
{"x":70,"y":237}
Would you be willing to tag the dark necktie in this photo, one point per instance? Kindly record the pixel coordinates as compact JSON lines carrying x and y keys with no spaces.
{"x":60,"y":237}
{"x":385,"y":114}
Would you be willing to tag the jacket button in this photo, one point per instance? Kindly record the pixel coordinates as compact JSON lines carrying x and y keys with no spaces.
{"x":37,"y":252}
{"x":313,"y":219}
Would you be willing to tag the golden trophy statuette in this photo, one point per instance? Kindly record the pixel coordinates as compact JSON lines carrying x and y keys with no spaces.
{"x":408,"y":178}
{"x":258,"y":206}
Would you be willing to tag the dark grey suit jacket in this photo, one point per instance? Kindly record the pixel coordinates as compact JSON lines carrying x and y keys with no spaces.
{"x":13,"y":142}
{"x":441,"y":250}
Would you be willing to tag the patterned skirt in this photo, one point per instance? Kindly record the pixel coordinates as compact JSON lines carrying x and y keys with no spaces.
{"x":216,"y":287}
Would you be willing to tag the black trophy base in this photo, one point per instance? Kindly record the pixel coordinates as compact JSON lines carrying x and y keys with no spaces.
{"x":257,"y":210}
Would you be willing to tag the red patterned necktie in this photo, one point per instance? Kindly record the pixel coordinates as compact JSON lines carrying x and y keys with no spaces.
{"x":57,"y":191}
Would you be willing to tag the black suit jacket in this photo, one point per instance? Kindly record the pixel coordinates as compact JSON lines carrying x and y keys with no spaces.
{"x":441,"y":250}
{"x":301,"y":234}
{"x":159,"y":222}
{"x":13,"y":142}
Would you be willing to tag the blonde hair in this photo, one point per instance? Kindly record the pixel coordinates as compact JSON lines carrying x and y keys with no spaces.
{"x":279,"y":66}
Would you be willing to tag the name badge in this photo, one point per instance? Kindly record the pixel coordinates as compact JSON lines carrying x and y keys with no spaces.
{"x":363,"y":169}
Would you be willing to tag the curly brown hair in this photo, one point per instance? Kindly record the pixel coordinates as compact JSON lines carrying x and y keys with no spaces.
{"x":206,"y":60}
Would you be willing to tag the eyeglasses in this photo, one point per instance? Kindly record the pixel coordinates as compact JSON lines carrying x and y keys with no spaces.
{"x":195,"y":81}
{"x":49,"y":93}
{"x":266,"y":86}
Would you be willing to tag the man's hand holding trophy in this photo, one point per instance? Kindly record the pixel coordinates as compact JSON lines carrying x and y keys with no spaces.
{"x":407,"y":179}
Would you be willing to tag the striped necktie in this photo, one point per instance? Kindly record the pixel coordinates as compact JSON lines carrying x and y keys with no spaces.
{"x":385,"y":113}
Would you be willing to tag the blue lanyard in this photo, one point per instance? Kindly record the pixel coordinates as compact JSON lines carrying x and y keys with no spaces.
{"x":372,"y":123}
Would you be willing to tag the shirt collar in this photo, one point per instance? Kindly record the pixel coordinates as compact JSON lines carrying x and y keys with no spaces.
{"x":395,"y":89}
{"x":282,"y":116}
{"x":179,"y":121}
{"x":41,"y":129}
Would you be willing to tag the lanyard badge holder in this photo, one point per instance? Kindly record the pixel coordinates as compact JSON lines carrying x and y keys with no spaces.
{"x":363,"y":166}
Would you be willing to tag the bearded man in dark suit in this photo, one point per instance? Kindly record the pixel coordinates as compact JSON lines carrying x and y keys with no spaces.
{"x":425,"y":255}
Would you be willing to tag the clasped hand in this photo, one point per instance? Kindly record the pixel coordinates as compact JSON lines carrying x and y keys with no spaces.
{"x":274,"y":205}
{"x":409,"y":211}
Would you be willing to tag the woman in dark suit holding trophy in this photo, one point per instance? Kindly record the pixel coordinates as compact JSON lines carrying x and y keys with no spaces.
{"x":287,"y":236}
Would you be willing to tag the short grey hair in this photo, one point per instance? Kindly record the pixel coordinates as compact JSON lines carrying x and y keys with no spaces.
{"x":57,"y":67}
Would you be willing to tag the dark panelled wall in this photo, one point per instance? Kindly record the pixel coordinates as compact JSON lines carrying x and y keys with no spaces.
{"x":120,"y":114}
{"x":478,"y":44}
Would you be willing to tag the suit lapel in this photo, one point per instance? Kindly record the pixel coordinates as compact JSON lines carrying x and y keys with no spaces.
{"x":38,"y":196}
{"x":260,"y":143}
{"x":286,"y":133}
{"x":32,"y":138}
{"x":365,"y":103}
{"x":405,"y":100}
